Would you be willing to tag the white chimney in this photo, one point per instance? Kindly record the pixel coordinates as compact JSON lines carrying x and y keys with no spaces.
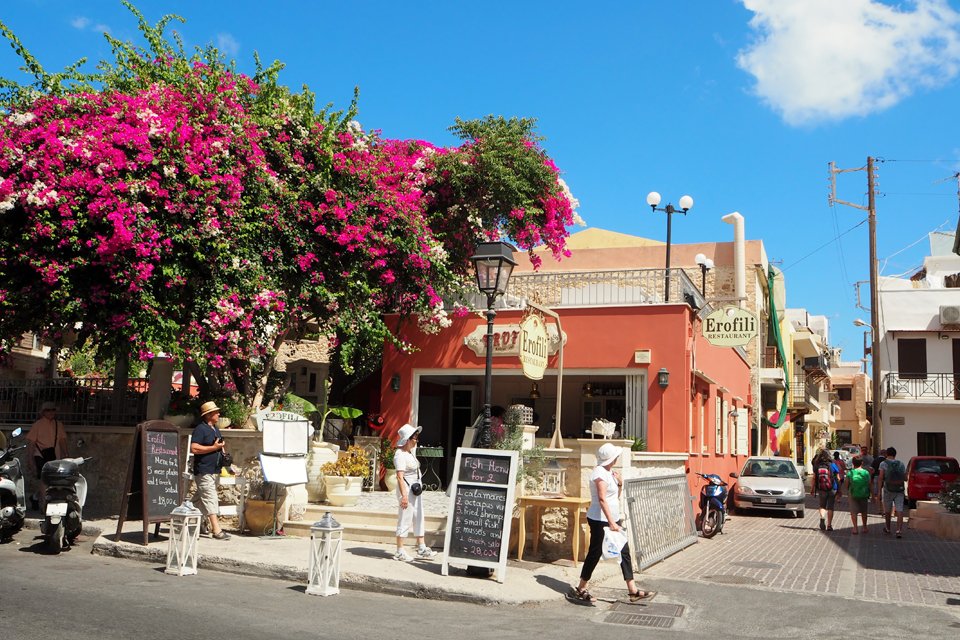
{"x":739,"y":256}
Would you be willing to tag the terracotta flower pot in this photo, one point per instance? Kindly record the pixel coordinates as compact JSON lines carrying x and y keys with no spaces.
{"x":258,"y":516}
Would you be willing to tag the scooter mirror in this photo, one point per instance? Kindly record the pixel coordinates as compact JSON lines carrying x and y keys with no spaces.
{"x":733,"y":474}
{"x":16,"y":432}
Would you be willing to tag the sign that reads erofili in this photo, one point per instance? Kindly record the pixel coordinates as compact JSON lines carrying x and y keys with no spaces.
{"x":730,"y":326}
{"x":534,"y":347}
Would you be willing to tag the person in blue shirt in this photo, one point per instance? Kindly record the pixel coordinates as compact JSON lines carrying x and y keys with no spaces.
{"x":207,"y":445}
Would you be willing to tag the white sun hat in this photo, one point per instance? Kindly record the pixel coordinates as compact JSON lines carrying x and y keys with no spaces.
{"x":406,"y":432}
{"x":608,"y":453}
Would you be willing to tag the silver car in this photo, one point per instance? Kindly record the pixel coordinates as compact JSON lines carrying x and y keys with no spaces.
{"x":768,"y":482}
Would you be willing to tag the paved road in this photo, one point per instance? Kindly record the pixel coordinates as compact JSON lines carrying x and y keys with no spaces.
{"x":779,"y":552}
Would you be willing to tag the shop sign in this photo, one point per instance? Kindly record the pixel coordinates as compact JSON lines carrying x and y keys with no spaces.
{"x":730,"y":326}
{"x":506,"y":340}
{"x":534,"y":346}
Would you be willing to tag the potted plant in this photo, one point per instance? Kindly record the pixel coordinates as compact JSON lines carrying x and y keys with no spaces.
{"x":387,"y":451}
{"x":182,"y":409}
{"x":343,"y":478}
{"x":258,"y":503}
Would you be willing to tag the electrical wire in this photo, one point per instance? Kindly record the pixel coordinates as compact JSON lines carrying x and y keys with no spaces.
{"x":825,"y":244}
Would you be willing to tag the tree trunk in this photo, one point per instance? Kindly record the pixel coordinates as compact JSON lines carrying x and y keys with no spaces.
{"x":121,"y":384}
{"x":267,"y":370}
{"x":203,"y":389}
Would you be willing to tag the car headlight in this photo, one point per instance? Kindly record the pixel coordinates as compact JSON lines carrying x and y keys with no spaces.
{"x":792,"y":492}
{"x":747,"y":491}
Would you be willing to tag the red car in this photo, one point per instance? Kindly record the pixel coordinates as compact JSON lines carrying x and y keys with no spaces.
{"x":928,"y":475}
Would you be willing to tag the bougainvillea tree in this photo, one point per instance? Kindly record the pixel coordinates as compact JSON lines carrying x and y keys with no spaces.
{"x":170,"y":203}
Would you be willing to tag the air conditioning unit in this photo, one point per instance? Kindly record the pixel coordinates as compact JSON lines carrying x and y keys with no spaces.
{"x":950,"y":314}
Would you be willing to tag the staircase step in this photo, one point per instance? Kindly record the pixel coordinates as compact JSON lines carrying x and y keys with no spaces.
{"x":374,"y":533}
{"x":352,"y":515}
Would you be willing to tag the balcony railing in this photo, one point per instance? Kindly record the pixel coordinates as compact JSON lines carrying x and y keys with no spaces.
{"x":605,"y":288}
{"x":771,"y":358}
{"x":920,"y":386}
{"x":80,"y":401}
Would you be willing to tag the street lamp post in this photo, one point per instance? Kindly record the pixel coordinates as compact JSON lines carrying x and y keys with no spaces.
{"x":493,"y":263}
{"x":705,"y":265}
{"x":686,"y":203}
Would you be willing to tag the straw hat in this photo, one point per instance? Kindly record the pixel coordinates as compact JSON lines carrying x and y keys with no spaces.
{"x":48,"y":406}
{"x":608,"y":453}
{"x":406,"y":432}
{"x":208,"y":407}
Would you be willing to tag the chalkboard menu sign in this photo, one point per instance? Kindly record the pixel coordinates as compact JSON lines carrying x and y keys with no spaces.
{"x":481,"y":507}
{"x":153,"y":485}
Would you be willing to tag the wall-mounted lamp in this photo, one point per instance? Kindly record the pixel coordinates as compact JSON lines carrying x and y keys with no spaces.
{"x":663,"y":377}
{"x":534,"y":391}
{"x":395,"y":382}
{"x":588,"y":390}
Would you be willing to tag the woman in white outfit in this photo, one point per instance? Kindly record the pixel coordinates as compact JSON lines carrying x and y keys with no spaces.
{"x":410,"y":515}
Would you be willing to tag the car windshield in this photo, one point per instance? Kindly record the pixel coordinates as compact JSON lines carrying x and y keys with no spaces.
{"x":937,"y":466}
{"x":769,"y":469}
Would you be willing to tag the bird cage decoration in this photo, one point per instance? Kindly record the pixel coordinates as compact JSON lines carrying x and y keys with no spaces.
{"x":372,"y":479}
{"x":323,"y":572}
{"x":184,"y":534}
{"x":554,"y":480}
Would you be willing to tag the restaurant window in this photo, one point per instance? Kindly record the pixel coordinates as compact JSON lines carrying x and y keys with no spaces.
{"x":912,"y":358}
{"x":704,"y":399}
{"x":718,"y":425}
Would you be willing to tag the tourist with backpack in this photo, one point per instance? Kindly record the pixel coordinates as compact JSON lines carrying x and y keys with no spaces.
{"x":826,"y":476}
{"x":858,"y":488}
{"x":892,"y":476}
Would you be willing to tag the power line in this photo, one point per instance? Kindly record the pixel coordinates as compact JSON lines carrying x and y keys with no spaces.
{"x":825,"y":244}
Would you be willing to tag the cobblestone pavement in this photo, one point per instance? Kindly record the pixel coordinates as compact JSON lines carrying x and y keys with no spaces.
{"x":779,"y":552}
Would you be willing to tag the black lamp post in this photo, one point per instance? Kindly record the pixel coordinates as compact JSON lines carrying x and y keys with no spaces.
{"x":705,"y":265}
{"x":493,"y":263}
{"x":686,"y":203}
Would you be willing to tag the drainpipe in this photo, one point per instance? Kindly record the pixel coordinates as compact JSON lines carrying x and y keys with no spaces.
{"x":739,"y":256}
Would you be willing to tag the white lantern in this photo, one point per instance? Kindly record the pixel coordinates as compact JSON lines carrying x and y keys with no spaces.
{"x":184,"y":534}
{"x":326,"y":540}
{"x":554,"y":480}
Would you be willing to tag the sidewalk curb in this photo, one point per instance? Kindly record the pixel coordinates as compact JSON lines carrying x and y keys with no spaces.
{"x":353,"y":581}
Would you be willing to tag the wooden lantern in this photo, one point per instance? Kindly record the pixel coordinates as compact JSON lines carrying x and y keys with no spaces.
{"x":554,"y":480}
{"x":326,"y":541}
{"x":184,"y":534}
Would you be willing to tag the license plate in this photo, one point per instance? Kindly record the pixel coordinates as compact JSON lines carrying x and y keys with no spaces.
{"x":768,"y":500}
{"x":933,"y":495}
{"x":56,"y":508}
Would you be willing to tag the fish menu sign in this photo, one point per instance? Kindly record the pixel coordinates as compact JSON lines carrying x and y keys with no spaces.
{"x":730,"y":326}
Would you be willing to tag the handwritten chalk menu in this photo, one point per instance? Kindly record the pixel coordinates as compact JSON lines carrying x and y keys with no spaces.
{"x":481,"y":508}
{"x":153,"y":486}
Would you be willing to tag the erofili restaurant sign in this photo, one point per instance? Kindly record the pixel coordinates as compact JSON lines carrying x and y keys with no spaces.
{"x":730,"y":326}
{"x":510,"y":340}
{"x":534,"y":347}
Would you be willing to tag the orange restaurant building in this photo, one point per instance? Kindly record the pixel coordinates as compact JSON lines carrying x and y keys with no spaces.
{"x":619,"y":334}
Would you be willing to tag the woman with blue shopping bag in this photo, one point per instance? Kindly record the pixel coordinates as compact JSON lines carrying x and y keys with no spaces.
{"x":604,"y":515}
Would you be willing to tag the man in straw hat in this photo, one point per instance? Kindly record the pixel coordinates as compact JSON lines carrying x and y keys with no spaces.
{"x":46,"y":441}
{"x":207,"y":445}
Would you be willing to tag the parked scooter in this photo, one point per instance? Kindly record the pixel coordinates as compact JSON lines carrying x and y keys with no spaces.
{"x":66,"y":492}
{"x":713,"y":496}
{"x":13,"y":506}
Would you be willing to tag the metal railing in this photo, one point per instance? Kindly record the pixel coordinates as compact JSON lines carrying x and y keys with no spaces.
{"x":605,"y":288}
{"x":79,"y":401}
{"x":918,"y":386}
{"x":660,"y":509}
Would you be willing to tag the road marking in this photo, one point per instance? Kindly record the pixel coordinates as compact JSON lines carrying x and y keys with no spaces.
{"x":847,"y":580}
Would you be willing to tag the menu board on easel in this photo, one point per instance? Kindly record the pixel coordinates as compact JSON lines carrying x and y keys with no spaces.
{"x":481,"y":508}
{"x":153,"y":487}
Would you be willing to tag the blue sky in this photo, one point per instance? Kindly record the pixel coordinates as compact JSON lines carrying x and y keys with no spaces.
{"x":739,"y":103}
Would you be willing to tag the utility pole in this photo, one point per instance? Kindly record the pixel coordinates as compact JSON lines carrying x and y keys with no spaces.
{"x":871,"y":209}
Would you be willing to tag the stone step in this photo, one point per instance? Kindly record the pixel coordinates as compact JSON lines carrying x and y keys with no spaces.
{"x":353,"y":516}
{"x":372,"y":533}
{"x":928,"y":508}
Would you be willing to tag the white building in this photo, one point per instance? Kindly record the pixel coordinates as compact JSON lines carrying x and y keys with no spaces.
{"x":919,"y":357}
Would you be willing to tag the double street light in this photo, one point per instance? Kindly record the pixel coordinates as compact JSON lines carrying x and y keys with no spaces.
{"x":493,"y":264}
{"x":686,"y":203}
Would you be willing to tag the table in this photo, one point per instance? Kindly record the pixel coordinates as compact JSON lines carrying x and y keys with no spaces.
{"x":573,"y":505}
{"x":430,"y":455}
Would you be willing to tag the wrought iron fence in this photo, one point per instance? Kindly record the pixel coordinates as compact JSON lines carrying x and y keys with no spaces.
{"x":605,"y":288}
{"x":79,"y":401}
{"x":917,"y":386}
{"x":660,"y":509}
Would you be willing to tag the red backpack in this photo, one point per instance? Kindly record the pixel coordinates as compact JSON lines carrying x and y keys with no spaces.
{"x":824,"y":478}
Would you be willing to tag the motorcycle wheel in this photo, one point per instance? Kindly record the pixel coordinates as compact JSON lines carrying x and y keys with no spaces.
{"x":711,"y":524}
{"x":54,"y":541}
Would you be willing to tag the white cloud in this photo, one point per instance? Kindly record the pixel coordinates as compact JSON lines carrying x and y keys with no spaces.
{"x":80,"y":23}
{"x":228,"y":44}
{"x":822,"y":60}
{"x":101,"y":28}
